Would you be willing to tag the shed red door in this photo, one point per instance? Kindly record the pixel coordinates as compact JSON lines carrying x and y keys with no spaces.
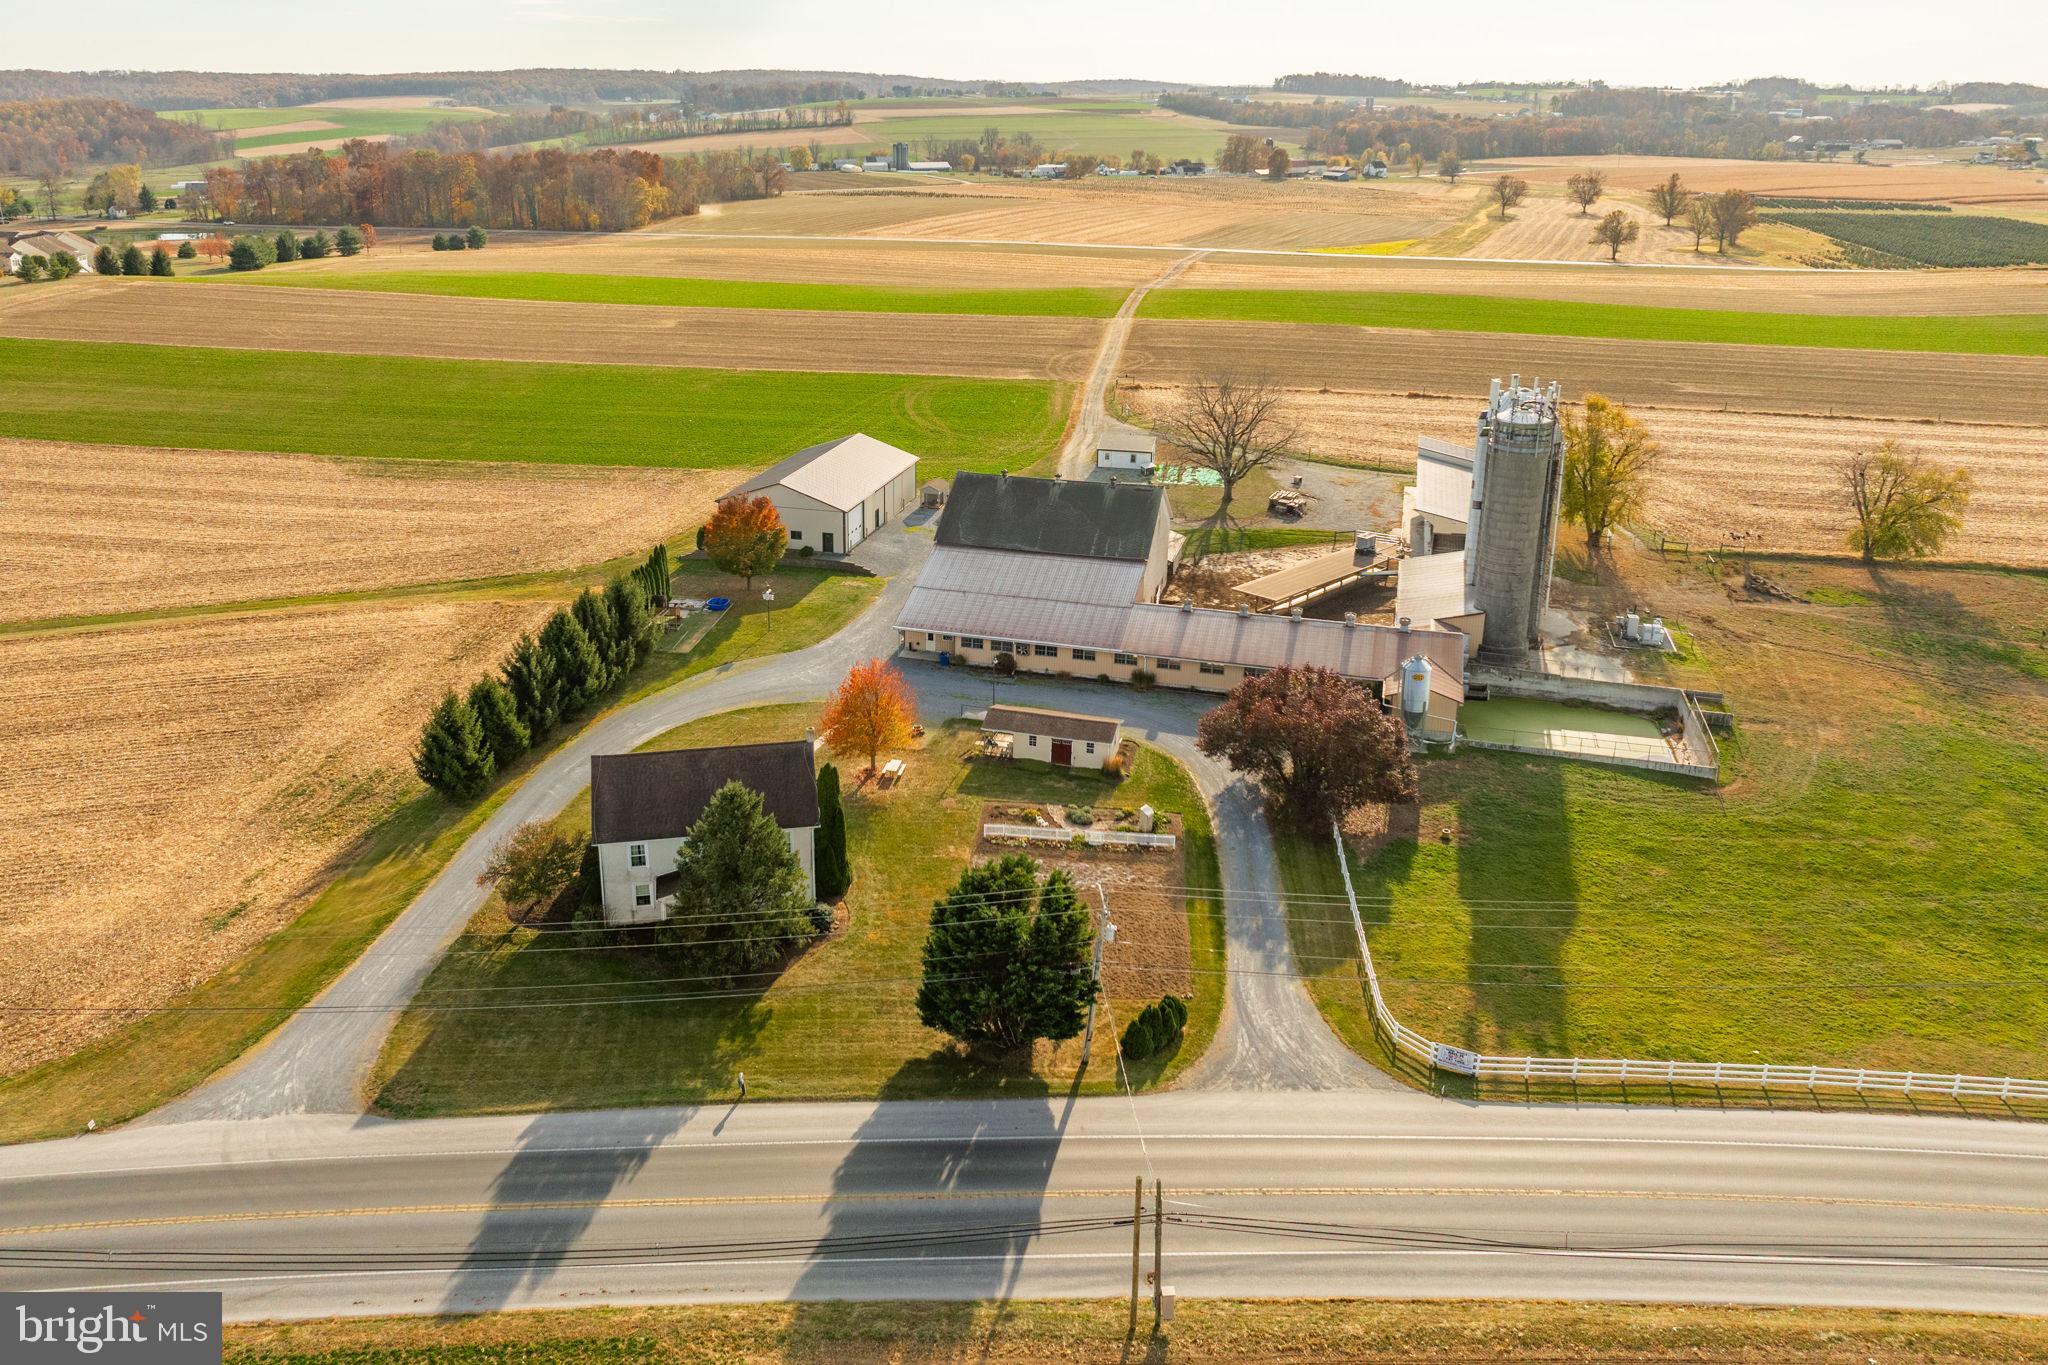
{"x":1063,"y":752}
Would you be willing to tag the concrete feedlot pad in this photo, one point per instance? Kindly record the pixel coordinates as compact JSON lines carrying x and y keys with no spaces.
{"x":507,"y":329}
{"x":1669,"y":374}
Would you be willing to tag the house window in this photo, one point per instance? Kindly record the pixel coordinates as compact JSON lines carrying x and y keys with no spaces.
{"x":973,"y":642}
{"x":643,"y":893}
{"x":1031,"y":741}
{"x":796,"y":535}
{"x":1091,"y":746}
{"x":1086,"y":655}
{"x":1128,"y":660}
{"x":1253,"y":672}
{"x":1216,"y":669}
{"x":1046,"y":651}
{"x":636,"y":855}
{"x":1168,"y":665}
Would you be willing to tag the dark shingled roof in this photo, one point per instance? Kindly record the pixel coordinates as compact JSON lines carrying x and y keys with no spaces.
{"x":659,"y":795}
{"x":1051,"y":516}
{"x":1030,"y":720}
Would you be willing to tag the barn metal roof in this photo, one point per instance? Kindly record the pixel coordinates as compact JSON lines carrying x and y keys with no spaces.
{"x":1259,"y":641}
{"x":1443,"y":479}
{"x":1432,"y":588}
{"x":843,"y":474}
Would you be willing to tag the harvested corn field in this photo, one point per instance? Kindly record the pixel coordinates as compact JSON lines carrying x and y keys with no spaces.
{"x":175,"y":788}
{"x":1771,"y":475}
{"x":511,"y":329}
{"x":1546,"y":229}
{"x":1928,"y":181}
{"x":1958,"y":388}
{"x":92,"y":529}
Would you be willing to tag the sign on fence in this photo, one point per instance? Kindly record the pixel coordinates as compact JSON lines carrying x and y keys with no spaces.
{"x":1447,"y":1058}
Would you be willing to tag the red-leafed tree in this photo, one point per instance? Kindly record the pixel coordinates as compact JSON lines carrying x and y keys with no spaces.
{"x":1316,"y":741}
{"x":871,"y":711}
{"x":746,"y":536}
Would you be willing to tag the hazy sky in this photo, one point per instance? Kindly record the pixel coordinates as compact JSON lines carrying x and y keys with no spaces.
{"x":1873,"y":42}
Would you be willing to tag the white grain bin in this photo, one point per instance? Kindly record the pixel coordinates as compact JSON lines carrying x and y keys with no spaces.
{"x":1415,"y":688}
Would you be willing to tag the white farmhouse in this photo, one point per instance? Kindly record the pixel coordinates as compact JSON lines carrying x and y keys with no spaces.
{"x":834,"y":495}
{"x":642,"y":806}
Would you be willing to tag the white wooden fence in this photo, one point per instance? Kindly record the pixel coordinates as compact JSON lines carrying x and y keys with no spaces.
{"x":1615,"y":1070}
{"x":1095,"y":837}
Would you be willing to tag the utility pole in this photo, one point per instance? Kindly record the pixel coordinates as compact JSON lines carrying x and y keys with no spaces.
{"x":1158,"y":1252}
{"x":1137,"y":1244}
{"x":1104,"y":932}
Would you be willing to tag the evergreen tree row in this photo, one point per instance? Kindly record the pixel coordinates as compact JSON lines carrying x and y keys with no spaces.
{"x":583,"y":652}
{"x":130,"y":261}
{"x":1157,"y":1028}
{"x":473,"y":240}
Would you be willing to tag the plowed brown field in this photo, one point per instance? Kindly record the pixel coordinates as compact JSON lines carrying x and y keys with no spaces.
{"x":88,"y":529}
{"x":1724,"y":471}
{"x":1912,"y":178}
{"x":1665,"y":374}
{"x":173,"y":789}
{"x":250,"y":318}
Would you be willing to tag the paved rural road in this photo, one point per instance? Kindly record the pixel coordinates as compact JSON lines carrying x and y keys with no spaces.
{"x":1272,"y":1036}
{"x":1355,"y":1194}
{"x":1077,"y":456}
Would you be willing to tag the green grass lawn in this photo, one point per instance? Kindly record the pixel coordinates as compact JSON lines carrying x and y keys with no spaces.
{"x":671,"y":292}
{"x":2003,"y":334}
{"x":160,"y":1056}
{"x":418,"y":408}
{"x":1869,"y":850}
{"x":1218,"y":540}
{"x":838,"y":1022}
{"x":348,"y":122}
{"x":1203,"y":1330}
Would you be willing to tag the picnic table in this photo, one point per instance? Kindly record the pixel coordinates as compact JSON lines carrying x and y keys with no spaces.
{"x":892,"y":771}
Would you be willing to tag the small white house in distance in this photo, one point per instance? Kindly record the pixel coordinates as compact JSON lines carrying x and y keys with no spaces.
{"x":1051,"y":170}
{"x":1065,"y":739}
{"x":833,"y":495}
{"x":1126,"y":450}
{"x":642,"y":806}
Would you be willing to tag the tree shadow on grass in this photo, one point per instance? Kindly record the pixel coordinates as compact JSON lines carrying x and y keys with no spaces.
{"x":937,"y":1201}
{"x":1516,"y":880}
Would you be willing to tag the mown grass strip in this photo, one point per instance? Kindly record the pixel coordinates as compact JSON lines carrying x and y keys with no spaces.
{"x":675,"y":292}
{"x":418,"y":408}
{"x":1997,"y":334}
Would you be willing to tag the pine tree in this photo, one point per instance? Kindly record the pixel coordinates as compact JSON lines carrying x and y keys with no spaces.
{"x":741,"y":899}
{"x":132,"y":262}
{"x":579,"y":668}
{"x":187,"y":251}
{"x":835,"y":872}
{"x":536,"y":690}
{"x":452,"y":757}
{"x":504,"y":734}
{"x":594,"y":614}
{"x":632,"y":623}
{"x":1007,"y":959}
{"x":287,"y":247}
{"x":476,"y":238}
{"x":160,"y":263}
{"x":105,"y":262}
{"x":348,"y":241}
{"x":440,"y":241}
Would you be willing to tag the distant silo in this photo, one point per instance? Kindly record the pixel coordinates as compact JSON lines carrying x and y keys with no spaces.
{"x":1511,"y":540}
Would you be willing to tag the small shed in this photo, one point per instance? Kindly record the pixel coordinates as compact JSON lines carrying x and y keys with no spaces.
{"x":1063,"y":738}
{"x":935,"y":493}
{"x":1126,"y":450}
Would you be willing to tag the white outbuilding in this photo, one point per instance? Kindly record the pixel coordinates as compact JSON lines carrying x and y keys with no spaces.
{"x":832,"y":496}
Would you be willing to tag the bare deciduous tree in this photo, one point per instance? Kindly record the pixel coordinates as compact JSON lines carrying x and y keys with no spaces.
{"x":1670,"y":198}
{"x":1699,"y":220}
{"x":1585,"y":189}
{"x":1508,"y":191}
{"x":1231,"y":423}
{"x":1616,"y":231}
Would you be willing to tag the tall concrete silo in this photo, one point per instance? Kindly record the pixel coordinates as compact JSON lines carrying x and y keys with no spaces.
{"x":1511,"y":539}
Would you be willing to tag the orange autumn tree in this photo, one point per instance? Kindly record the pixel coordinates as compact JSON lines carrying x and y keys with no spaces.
{"x":870,"y":712}
{"x":745,"y":536}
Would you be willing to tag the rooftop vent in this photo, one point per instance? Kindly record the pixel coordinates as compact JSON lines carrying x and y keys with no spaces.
{"x":1243,"y":609}
{"x":1404,"y":623}
{"x":1350,"y":618}
{"x":1187,"y":606}
{"x":1294,"y":615}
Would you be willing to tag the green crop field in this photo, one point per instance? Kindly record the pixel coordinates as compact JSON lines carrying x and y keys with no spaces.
{"x":348,"y":122}
{"x":691,"y":293}
{"x":415,"y":408}
{"x":2002,"y":334}
{"x":1958,"y":240}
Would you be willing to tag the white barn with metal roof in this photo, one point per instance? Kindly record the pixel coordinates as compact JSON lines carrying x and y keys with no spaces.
{"x":833,"y":495}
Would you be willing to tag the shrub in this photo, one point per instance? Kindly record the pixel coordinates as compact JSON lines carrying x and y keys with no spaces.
{"x":440,"y":241}
{"x":457,"y":242}
{"x":1157,"y":1028}
{"x":251,"y":253}
{"x":187,"y":252}
{"x":1114,"y":765}
{"x":807,"y":552}
{"x":106,"y":262}
{"x":348,"y":241}
{"x":1005,"y":663}
{"x":834,"y":871}
{"x":160,"y":263}
{"x":1143,"y":678}
{"x":1080,"y":815}
{"x":287,"y":246}
{"x":475,"y":239}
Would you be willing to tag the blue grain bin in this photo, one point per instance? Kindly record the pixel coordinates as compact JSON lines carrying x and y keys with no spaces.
{"x":945,"y":658}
